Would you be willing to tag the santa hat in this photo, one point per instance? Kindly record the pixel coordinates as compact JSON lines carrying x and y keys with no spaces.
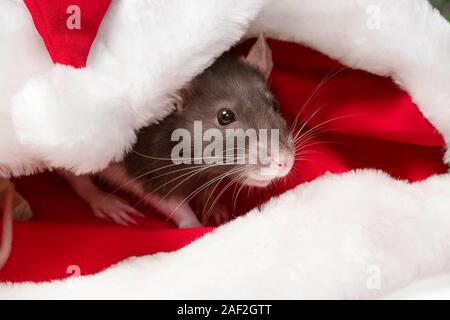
{"x":333,"y":230}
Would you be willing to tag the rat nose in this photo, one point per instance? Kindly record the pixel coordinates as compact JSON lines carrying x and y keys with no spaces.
{"x":283,"y":162}
{"x":280,"y":164}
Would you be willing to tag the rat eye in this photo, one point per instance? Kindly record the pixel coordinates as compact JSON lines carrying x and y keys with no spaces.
{"x":225,"y":116}
{"x":276,"y":105}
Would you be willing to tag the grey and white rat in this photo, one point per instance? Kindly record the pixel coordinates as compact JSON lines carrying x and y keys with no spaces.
{"x":231,"y":94}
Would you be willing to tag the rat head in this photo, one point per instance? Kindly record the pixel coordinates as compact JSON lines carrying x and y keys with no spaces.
{"x":231,"y":106}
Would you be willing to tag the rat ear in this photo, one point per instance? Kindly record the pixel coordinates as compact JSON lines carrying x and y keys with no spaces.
{"x":179,"y":101}
{"x":180,"y":98}
{"x":260,"y":56}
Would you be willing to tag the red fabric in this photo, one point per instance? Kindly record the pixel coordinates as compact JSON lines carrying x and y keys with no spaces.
{"x":65,"y":45}
{"x":377,"y":126}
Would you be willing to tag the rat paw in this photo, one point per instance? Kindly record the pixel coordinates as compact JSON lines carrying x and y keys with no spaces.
{"x":114,"y":209}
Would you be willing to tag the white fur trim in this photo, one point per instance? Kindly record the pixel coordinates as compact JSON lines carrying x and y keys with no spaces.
{"x":23,"y":57}
{"x":82,"y":119}
{"x":299,"y":246}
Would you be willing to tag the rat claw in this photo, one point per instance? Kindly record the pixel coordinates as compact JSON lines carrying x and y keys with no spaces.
{"x":129,"y":209}
{"x":118,"y":219}
{"x":134,"y":212}
{"x":99,"y":214}
{"x":126,"y":217}
{"x":103,"y":216}
{"x":137,"y":213}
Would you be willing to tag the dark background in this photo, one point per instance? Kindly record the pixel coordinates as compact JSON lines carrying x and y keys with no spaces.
{"x":443,"y":6}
